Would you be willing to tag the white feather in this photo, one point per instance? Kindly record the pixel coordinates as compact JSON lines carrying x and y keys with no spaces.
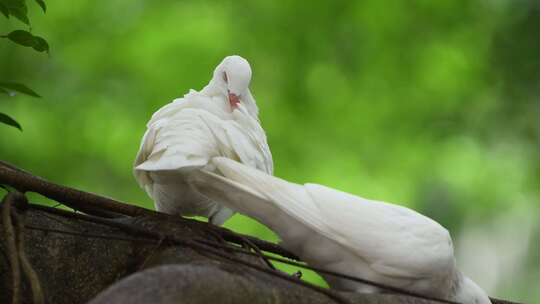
{"x":338,"y":231}
{"x":189,"y":131}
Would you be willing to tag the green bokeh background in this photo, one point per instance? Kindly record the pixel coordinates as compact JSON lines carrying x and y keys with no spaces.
{"x":430,"y":104}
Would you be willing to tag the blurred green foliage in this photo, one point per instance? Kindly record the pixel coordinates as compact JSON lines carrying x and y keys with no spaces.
{"x":431,"y":104}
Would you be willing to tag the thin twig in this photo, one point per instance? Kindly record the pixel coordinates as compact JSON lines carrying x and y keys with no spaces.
{"x":238,"y":238}
{"x":12,"y":167}
{"x":9,"y":232}
{"x":61,"y":221}
{"x":76,"y":199}
{"x":226,"y":234}
{"x":259,"y":253}
{"x":132,"y":229}
{"x":29,"y":272}
{"x":216,"y":235}
{"x":500,"y":301}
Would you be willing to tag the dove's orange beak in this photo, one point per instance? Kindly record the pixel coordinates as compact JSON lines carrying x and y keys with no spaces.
{"x":234,"y":100}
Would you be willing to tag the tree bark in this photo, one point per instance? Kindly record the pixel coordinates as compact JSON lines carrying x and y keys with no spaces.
{"x":77,"y":259}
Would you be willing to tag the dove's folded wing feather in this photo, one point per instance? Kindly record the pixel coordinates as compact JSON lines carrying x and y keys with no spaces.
{"x":394,"y":240}
{"x":174,"y":142}
{"x":177,"y":142}
{"x":233,"y":194}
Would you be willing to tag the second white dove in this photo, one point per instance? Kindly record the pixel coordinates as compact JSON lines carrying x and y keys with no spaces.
{"x":344,"y":233}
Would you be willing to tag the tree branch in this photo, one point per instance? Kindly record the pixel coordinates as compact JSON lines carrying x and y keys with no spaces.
{"x":106,"y":207}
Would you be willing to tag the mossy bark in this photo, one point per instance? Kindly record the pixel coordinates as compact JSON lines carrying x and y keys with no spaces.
{"x":78,"y":261}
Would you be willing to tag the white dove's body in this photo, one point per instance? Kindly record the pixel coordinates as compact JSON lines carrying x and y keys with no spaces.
{"x":185,"y":134}
{"x":337,"y":231}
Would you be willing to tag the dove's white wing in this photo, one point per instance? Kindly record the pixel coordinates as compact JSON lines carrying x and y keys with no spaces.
{"x":162,"y":150}
{"x":191,"y":137}
{"x":240,"y":198}
{"x":181,"y":141}
{"x":175,"y":145}
{"x":160,"y":119}
{"x":395,"y":241}
{"x":235,"y":195}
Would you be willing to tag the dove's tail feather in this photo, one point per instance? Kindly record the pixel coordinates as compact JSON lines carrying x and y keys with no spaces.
{"x":286,"y":204}
{"x":270,"y":200}
{"x":232,"y":194}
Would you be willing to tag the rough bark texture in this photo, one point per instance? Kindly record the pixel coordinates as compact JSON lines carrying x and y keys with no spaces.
{"x":133,"y":255}
{"x":78,"y":263}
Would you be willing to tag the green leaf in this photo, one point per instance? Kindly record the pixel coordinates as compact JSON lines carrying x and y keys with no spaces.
{"x":41,"y":44}
{"x":27,"y":39}
{"x":12,"y":87}
{"x":9,"y":121}
{"x":4,"y":10}
{"x":42,"y":4}
{"x":4,"y":91}
{"x":21,"y":37}
{"x":18,"y":9}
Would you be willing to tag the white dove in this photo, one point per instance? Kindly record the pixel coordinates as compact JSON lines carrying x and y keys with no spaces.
{"x":344,"y":233}
{"x":220,"y":120}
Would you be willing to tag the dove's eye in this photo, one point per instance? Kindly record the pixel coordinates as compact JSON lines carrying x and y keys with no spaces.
{"x":225,"y":77}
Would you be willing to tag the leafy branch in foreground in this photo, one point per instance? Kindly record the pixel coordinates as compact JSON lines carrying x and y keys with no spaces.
{"x":25,"y":38}
{"x":19,"y":10}
{"x":11,"y":89}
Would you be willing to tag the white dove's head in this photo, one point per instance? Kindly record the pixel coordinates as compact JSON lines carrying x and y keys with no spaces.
{"x":468,"y":292}
{"x":232,"y":76}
